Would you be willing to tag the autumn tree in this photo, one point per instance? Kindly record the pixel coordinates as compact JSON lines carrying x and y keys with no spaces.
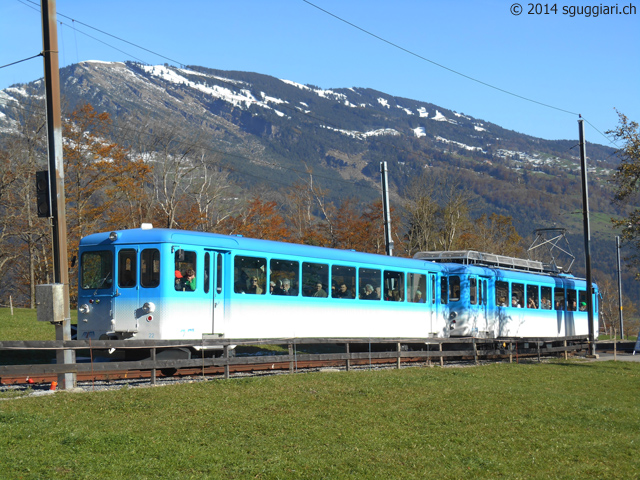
{"x":627,"y":182}
{"x":259,"y":219}
{"x":24,"y":238}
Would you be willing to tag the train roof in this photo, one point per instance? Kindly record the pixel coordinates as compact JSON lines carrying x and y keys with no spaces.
{"x":150,"y":235}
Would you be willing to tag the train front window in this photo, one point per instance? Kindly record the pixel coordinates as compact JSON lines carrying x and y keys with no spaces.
{"x":150,"y":268}
{"x":444,"y":289}
{"x":454,"y":288}
{"x":249,"y":275}
{"x":185,"y":270}
{"x":96,"y":270}
{"x":369,"y":284}
{"x":315,"y":280}
{"x":343,"y":282}
{"x":127,"y":271}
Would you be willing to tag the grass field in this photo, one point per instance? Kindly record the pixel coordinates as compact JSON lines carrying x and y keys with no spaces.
{"x":24,"y":325}
{"x":558,"y":420}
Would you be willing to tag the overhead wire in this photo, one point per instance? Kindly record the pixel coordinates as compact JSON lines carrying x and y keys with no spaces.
{"x":468,"y":77}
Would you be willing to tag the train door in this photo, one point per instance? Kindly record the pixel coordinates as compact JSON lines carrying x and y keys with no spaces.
{"x":432,"y":295}
{"x":126,"y":301}
{"x":214,"y":288}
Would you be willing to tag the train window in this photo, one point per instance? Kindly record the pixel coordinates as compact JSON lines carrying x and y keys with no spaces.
{"x":96,"y":270}
{"x":545,"y":302}
{"x":185,"y":270}
{"x":502,"y":293}
{"x":572,"y":305}
{"x":150,"y":268}
{"x":454,"y":288}
{"x":315,"y":279}
{"x":417,"y":288}
{"x":558,"y":298}
{"x":532,"y":296}
{"x":517,"y":295}
{"x":582,"y":300}
{"x":249,"y":274}
{"x":284,"y":277}
{"x":207,"y":268}
{"x":219,"y":260}
{"x":343,"y":281}
{"x":433,"y":288}
{"x":473,"y":289}
{"x":393,"y":286}
{"x":369,"y":284}
{"x":444,"y":290}
{"x":484,"y":293}
{"x":127,"y":270}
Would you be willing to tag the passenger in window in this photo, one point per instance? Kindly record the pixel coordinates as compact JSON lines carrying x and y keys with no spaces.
{"x":241,"y":283}
{"x":368,"y":293}
{"x":378,"y":293}
{"x":178,"y":280}
{"x":531,"y":303}
{"x":254,"y":288}
{"x":287,"y":290}
{"x":418,"y":297}
{"x":583,"y":306}
{"x":189,"y":280}
{"x":319,"y":291}
{"x":343,"y":291}
{"x":502,"y":302}
{"x":515,"y":303}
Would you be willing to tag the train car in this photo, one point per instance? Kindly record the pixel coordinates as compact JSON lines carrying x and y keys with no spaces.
{"x":495,"y":296}
{"x":152,"y":283}
{"x":165,"y":284}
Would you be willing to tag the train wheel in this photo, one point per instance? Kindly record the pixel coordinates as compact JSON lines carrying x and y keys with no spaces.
{"x":168,"y":372}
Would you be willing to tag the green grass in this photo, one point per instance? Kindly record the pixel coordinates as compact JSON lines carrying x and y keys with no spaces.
{"x":530,"y":421}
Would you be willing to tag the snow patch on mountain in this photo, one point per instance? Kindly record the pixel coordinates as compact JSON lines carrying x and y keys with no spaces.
{"x":423,"y":112}
{"x":419,"y":132}
{"x":459,"y":144}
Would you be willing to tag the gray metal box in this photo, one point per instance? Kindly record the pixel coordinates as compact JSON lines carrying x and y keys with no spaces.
{"x":50,"y":302}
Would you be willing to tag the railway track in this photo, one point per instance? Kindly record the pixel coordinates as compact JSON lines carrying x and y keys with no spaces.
{"x":46,"y":381}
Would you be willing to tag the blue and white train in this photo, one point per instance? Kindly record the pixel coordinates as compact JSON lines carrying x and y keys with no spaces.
{"x":168,"y":284}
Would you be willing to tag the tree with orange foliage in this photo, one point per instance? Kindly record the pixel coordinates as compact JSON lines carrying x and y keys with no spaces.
{"x":258,"y":219}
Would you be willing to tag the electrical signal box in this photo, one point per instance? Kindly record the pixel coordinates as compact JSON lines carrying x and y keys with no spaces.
{"x":43,"y":198}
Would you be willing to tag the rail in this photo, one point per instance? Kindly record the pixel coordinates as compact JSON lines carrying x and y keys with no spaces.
{"x":298,"y":350}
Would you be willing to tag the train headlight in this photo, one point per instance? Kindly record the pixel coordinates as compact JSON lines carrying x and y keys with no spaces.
{"x":84,"y":308}
{"x":149,"y":307}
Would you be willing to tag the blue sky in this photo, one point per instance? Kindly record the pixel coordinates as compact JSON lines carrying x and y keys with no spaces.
{"x":588,"y":65}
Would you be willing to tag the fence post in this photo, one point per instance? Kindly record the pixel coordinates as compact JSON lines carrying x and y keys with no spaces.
{"x":290,"y":357}
{"x":399,"y":348}
{"x":510,"y":352}
{"x":538,"y":345}
{"x":225,"y":349}
{"x":348,"y":358}
{"x":566,"y":357}
{"x":475,"y":352}
{"x":153,"y":370}
{"x":441,"y":357}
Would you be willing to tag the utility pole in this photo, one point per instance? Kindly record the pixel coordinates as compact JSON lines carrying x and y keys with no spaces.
{"x":388,"y":241}
{"x":56,"y":179}
{"x":619,"y":288}
{"x":587,"y":235}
